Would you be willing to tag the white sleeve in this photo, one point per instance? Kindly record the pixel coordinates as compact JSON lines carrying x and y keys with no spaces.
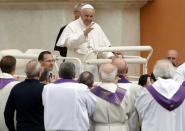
{"x":106,"y":43}
{"x":134,"y":123}
{"x":70,"y":38}
{"x":90,"y":102}
{"x":43,"y":96}
{"x":133,"y":92}
{"x":180,"y":73}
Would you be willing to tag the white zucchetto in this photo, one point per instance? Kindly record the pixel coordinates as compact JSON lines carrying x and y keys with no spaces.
{"x":87,"y":6}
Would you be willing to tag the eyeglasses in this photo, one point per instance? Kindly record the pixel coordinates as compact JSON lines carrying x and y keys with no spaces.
{"x":171,"y":58}
{"x":50,"y":61}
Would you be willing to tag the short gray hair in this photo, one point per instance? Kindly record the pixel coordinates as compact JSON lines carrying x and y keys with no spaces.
{"x":32,"y":69}
{"x":67,"y":70}
{"x":164,"y":69}
{"x":86,"y":78}
{"x":78,"y":6}
{"x":108,"y":76}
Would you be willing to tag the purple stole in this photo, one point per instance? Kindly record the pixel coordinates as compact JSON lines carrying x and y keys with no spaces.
{"x":123,"y":79}
{"x":5,"y":81}
{"x":64,"y":80}
{"x":114,"y":98}
{"x":169,"y":104}
{"x":183,"y":83}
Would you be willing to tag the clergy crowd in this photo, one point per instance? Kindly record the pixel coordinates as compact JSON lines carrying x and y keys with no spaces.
{"x":64,"y":102}
{"x":76,"y":101}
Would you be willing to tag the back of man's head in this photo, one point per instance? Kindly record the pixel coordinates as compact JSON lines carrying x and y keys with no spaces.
{"x":32,"y":69}
{"x":8,"y":64}
{"x":67,"y":70}
{"x":121,"y":65}
{"x":86,"y":78}
{"x":108,"y":72}
{"x":164,"y":69}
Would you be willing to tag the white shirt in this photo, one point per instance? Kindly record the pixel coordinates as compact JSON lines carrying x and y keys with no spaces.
{"x":67,"y":106}
{"x":4,"y":93}
{"x":78,"y":44}
{"x":111,"y":117}
{"x":180,"y":73}
{"x":154,"y":117}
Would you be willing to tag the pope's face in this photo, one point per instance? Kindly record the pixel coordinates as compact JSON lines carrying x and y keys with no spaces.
{"x":87,"y":16}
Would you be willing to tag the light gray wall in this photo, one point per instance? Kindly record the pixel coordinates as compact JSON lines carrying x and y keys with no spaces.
{"x":37,"y":28}
{"x":26,"y":27}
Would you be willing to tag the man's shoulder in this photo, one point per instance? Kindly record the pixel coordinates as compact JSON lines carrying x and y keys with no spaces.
{"x":73,"y":23}
{"x":13,"y":83}
{"x":82,"y":86}
{"x":130,"y":86}
{"x":66,"y":84}
{"x":181,"y":67}
{"x":25,"y":84}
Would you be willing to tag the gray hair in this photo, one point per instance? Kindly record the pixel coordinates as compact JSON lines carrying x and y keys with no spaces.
{"x":108,"y":76}
{"x":67,"y":70}
{"x":86,"y":78}
{"x":78,"y":6}
{"x":164,"y":69}
{"x":32,"y":69}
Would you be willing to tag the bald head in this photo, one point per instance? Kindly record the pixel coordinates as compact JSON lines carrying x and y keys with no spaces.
{"x":173,"y":56}
{"x":87,"y":14}
{"x":108,"y":72}
{"x":121,"y":65}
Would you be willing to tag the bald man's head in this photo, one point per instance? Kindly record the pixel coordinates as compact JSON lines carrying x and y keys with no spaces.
{"x":121,"y":66}
{"x":173,"y":56}
{"x":108,"y":72}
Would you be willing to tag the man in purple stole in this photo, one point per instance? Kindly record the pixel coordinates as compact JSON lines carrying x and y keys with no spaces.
{"x":122,"y":67}
{"x":7,"y":81}
{"x":113,"y":102}
{"x":161,"y":106}
{"x":132,"y":88}
{"x":67,"y":104}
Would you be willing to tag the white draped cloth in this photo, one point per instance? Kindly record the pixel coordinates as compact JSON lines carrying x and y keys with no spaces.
{"x":180,"y":73}
{"x":78,"y":44}
{"x":111,"y":117}
{"x":152,"y":116}
{"x":67,"y":106}
{"x":4,"y":93}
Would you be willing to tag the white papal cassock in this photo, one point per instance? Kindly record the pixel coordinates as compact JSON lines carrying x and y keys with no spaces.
{"x":79,"y":45}
{"x":110,"y":116}
{"x":6,"y":84}
{"x":161,"y":107}
{"x":67,"y":105}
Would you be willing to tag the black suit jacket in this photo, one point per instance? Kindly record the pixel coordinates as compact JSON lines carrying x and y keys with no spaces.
{"x":62,"y":50}
{"x":26,"y":99}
